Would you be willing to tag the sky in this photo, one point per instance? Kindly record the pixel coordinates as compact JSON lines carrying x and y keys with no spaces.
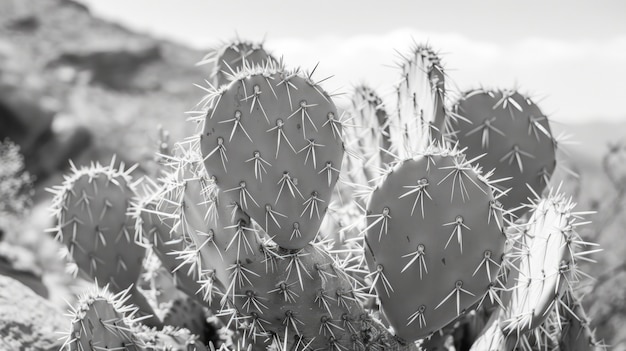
{"x":569,"y":56}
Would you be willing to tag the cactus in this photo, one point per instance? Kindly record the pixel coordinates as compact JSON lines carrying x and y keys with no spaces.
{"x":237,"y":219}
{"x":514,"y":139}
{"x":273,"y":144}
{"x":428,"y":275}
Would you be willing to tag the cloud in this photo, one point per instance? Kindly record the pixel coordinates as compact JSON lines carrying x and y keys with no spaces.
{"x":582,"y":79}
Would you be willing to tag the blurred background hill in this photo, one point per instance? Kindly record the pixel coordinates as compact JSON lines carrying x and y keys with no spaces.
{"x":75,"y":86}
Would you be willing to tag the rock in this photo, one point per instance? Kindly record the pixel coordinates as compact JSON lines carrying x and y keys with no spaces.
{"x":28,"y":321}
{"x":19,"y":263}
{"x":110,"y":67}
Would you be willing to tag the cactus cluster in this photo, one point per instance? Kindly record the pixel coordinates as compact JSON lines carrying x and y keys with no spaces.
{"x":300,"y":228}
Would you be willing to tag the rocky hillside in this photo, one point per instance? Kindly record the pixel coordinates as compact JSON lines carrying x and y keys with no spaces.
{"x":72,"y":85}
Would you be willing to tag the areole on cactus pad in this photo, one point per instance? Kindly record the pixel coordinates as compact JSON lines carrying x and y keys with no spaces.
{"x":434,"y":241}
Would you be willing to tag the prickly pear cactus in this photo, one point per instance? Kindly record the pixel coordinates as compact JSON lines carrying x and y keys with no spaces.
{"x":434,"y":241}
{"x":514,"y":139}
{"x":272,"y":143}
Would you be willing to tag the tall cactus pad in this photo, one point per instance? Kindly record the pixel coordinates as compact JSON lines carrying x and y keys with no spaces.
{"x":421,"y":107}
{"x":434,"y":241}
{"x":545,"y":260}
{"x":515,"y":138}
{"x":272,"y":141}
{"x":91,"y":208}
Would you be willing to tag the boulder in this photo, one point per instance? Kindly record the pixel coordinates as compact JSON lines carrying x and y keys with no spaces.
{"x":28,"y":321}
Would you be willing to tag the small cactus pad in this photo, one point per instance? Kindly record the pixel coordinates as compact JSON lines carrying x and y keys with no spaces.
{"x":91,"y":208}
{"x":515,"y":138}
{"x":101,"y":322}
{"x":434,"y":241}
{"x":232,"y":57}
{"x":272,"y":143}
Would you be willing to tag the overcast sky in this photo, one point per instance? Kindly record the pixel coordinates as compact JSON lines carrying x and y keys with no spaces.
{"x":570,"y":55}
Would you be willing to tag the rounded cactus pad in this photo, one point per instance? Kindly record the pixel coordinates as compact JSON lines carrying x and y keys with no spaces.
{"x":91,"y":209}
{"x":272,"y":143}
{"x":514,"y":138}
{"x":434,"y":241}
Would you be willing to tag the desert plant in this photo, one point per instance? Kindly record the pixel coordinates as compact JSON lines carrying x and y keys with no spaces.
{"x":237,"y":217}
